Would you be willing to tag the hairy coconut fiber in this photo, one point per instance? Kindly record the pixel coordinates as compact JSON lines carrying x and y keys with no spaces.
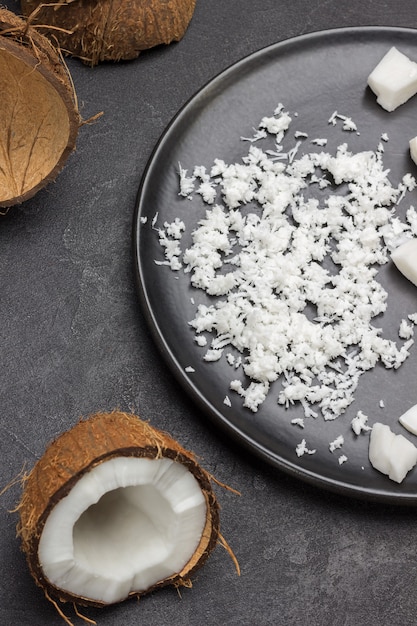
{"x":39,"y":118}
{"x":91,"y":442}
{"x":111,"y":30}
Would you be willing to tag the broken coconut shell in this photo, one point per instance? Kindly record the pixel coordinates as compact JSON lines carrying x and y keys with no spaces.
{"x":110,"y":30}
{"x":39,"y":118}
{"x":95,"y":445}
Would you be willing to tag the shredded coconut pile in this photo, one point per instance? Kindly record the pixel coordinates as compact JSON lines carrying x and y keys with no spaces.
{"x":292,"y":273}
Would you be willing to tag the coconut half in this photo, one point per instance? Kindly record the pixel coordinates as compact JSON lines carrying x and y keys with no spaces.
{"x":39,"y":118}
{"x":110,"y":30}
{"x":114,"y":509}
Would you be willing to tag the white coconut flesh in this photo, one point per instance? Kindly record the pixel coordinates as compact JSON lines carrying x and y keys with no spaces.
{"x":126,"y":525}
{"x":394,"y":79}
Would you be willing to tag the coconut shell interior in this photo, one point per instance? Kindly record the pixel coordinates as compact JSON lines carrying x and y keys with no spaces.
{"x":91,"y":442}
{"x":111,"y":30}
{"x":39,"y":120}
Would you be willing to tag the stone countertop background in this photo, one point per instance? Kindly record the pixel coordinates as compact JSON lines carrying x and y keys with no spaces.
{"x":73,"y":341}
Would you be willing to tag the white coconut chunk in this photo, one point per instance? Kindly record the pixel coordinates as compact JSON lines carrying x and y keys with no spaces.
{"x":125,"y":525}
{"x":379,"y":447}
{"x":394,"y":80}
{"x":403,"y":458}
{"x":409,"y":420}
{"x":413,"y":149}
{"x":405,"y":258}
{"x":391,"y":454}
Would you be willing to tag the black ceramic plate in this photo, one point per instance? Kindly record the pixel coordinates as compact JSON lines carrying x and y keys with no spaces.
{"x":314,"y":76}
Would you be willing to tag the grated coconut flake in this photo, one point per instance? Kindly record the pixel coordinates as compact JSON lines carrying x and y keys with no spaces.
{"x":293,"y":279}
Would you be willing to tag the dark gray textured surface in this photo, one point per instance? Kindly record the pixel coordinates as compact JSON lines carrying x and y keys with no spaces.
{"x":74,"y":341}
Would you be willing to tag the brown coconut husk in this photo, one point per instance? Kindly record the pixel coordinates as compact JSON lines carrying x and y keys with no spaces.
{"x":110,"y":30}
{"x":39,"y":118}
{"x":100,"y":438}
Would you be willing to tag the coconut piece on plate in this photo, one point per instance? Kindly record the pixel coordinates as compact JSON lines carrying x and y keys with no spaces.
{"x":113,"y":509}
{"x":391,"y":454}
{"x":379,"y":447}
{"x":409,"y":420}
{"x":413,"y":149}
{"x":394,"y":79}
{"x":405,"y":258}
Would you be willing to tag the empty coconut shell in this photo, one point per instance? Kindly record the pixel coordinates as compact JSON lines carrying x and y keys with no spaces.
{"x":114,"y":509}
{"x":111,"y":30}
{"x":39,"y":119}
